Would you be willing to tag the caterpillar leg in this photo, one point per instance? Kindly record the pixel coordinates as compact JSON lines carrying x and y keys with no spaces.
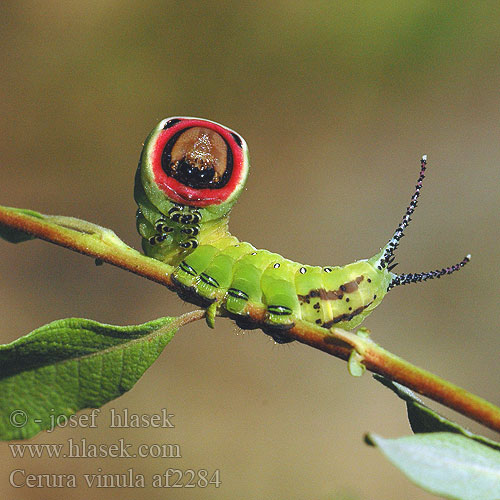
{"x":210,"y":314}
{"x":184,"y":214}
{"x":161,"y":231}
{"x":164,"y":226}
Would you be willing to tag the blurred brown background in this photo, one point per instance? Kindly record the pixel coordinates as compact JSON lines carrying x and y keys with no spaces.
{"x":337,"y":101}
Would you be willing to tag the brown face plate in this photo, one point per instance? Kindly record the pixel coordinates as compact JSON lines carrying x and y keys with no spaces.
{"x":198,"y":157}
{"x":196,"y":162}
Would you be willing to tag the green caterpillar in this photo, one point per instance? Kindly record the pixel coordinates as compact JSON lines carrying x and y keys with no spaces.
{"x":190,"y":174}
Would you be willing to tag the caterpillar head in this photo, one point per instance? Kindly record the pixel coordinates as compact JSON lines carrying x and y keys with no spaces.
{"x":190,"y":174}
{"x":194,"y":162}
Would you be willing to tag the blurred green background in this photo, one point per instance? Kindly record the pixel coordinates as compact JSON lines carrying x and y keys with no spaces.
{"x":337,"y":101}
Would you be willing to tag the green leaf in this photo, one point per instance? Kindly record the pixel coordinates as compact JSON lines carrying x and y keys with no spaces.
{"x":424,"y":419}
{"x":446,"y":464}
{"x":72,"y":364}
{"x":15,"y":235}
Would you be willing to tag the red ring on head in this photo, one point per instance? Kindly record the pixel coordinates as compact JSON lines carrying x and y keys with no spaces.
{"x":186,"y":195}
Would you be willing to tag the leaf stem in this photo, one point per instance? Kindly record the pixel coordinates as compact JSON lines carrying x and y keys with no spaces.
{"x":104,"y":245}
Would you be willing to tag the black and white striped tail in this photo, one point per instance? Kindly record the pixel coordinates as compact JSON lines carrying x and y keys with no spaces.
{"x":387,"y":260}
{"x":404,"y":279}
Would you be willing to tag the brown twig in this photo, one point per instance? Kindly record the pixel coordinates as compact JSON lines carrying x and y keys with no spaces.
{"x":105,"y":246}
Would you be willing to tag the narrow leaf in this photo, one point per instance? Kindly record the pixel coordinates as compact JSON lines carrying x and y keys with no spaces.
{"x":72,"y":364}
{"x":446,"y":464}
{"x":424,"y":419}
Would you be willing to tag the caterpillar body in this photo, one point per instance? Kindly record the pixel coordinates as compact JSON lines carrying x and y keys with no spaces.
{"x":190,"y":174}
